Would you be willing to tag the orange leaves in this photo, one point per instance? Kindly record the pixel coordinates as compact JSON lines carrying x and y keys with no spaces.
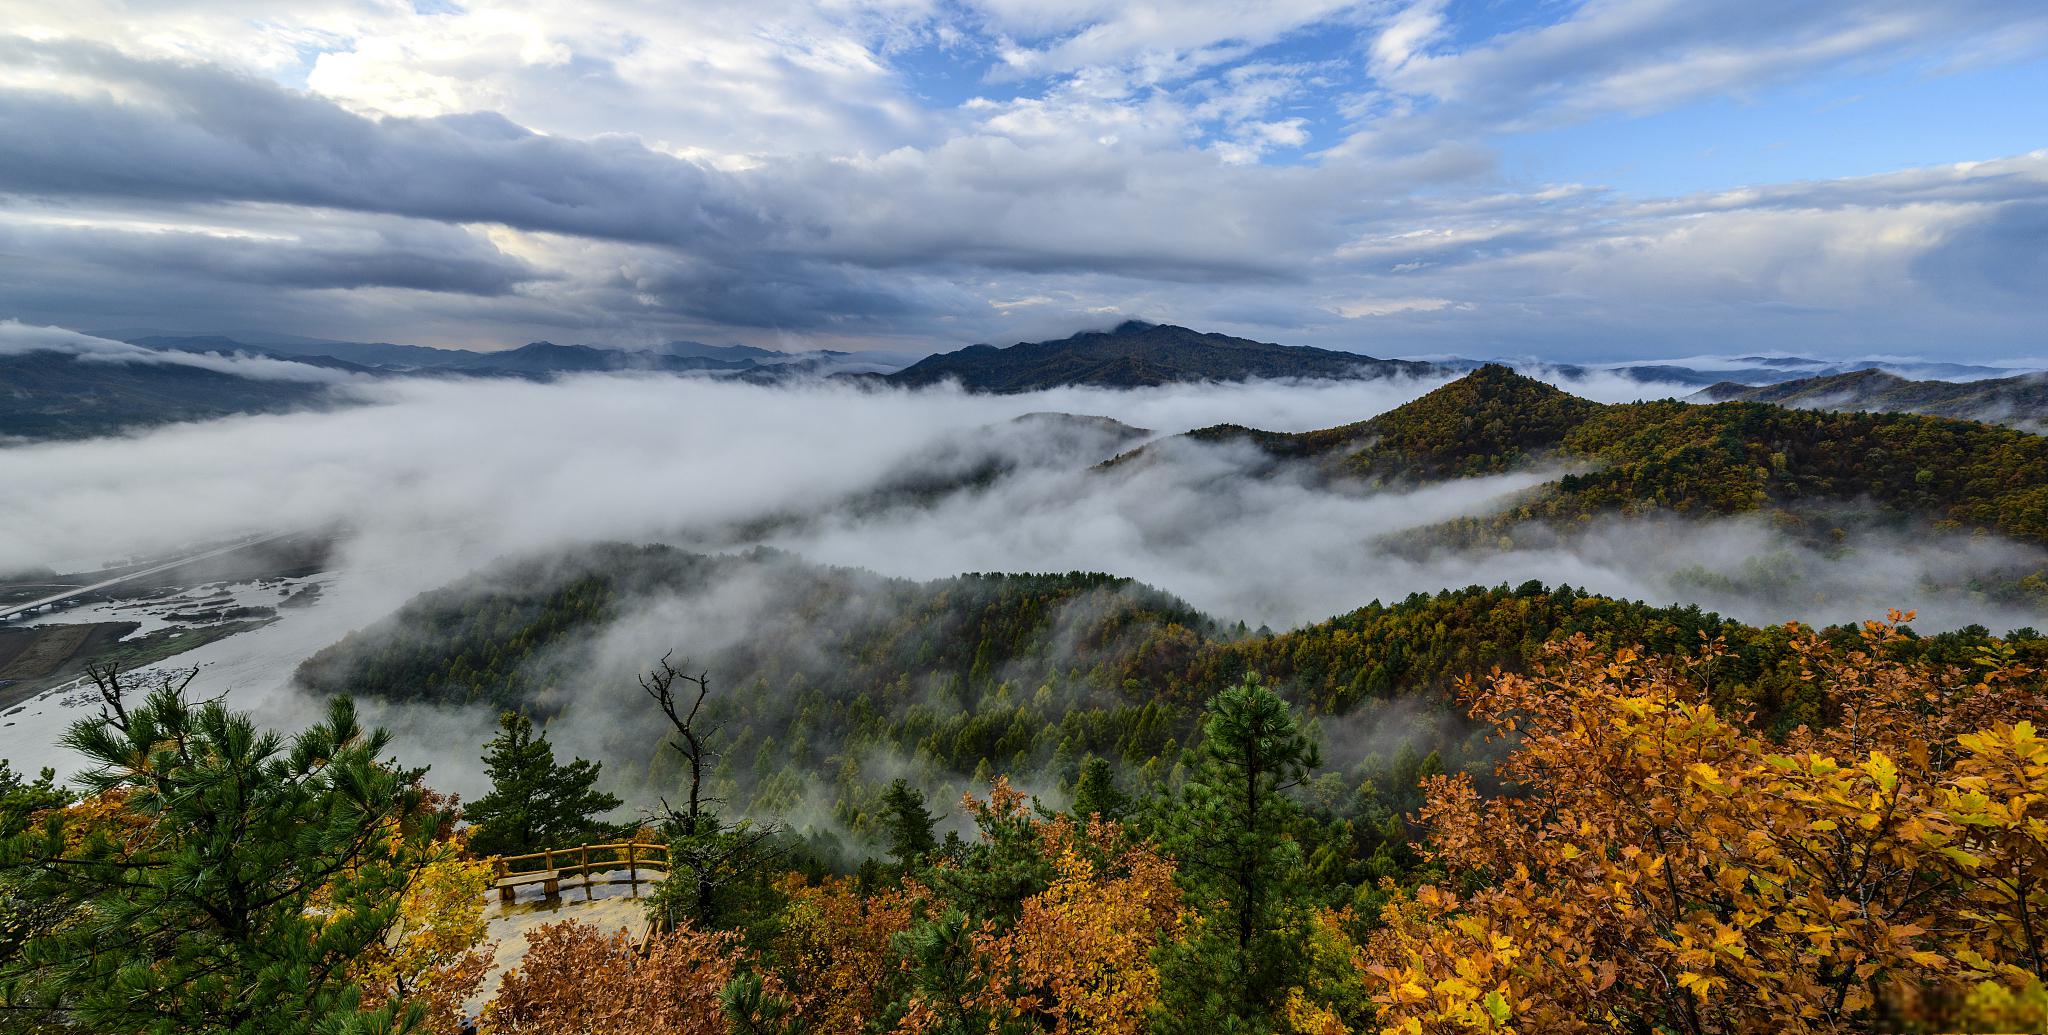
{"x":1662,"y":865}
{"x":103,"y":815}
{"x":834,"y":946}
{"x":1437,"y":969}
{"x":576,"y":980}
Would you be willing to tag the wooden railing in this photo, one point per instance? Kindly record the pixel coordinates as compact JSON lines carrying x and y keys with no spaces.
{"x":585,"y":861}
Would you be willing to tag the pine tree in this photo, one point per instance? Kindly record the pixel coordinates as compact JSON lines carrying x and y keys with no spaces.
{"x":1096,"y":792}
{"x":1235,"y":832}
{"x":216,"y":878}
{"x":908,"y":823}
{"x":535,"y":803}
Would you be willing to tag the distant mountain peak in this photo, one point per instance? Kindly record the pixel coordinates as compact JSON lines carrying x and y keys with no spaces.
{"x":1138,"y":353}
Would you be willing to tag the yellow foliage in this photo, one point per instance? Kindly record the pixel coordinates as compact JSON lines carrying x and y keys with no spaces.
{"x":1078,"y":960}
{"x":433,"y":957}
{"x":1081,"y":951}
{"x":1665,"y":866}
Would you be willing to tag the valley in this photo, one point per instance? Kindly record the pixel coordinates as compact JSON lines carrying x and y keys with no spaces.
{"x":939,"y":625}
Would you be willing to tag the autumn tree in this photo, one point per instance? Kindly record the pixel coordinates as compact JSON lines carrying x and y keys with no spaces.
{"x":434,"y":956}
{"x":1079,"y":958}
{"x":834,"y":949}
{"x":1662,"y":866}
{"x":1074,"y":954}
{"x":1235,"y":831}
{"x":577,"y":980}
{"x":535,"y":802}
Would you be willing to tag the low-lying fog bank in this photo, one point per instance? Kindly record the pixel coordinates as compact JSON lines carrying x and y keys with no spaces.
{"x":437,"y":478}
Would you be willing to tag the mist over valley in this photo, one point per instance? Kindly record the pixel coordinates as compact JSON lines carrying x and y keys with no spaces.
{"x":1345,"y":495}
{"x":1011,"y":517}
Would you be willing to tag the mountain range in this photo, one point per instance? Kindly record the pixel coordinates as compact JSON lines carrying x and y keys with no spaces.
{"x":56,"y":394}
{"x":2021,"y":401}
{"x":51,"y":394}
{"x":538,"y":358}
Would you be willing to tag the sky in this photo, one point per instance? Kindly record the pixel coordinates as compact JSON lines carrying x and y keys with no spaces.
{"x":1574,"y":181}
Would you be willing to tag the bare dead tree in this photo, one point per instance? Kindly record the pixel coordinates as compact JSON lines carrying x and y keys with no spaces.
{"x":660,"y":685}
{"x":106,"y":677}
{"x":713,"y":856}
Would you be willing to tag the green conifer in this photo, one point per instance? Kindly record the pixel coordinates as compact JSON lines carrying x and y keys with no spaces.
{"x":535,"y":803}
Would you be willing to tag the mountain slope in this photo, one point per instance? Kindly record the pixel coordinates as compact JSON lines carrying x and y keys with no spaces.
{"x":1488,"y":421}
{"x":2020,"y":401}
{"x":1723,"y":458}
{"x":356,"y":354}
{"x":542,"y":358}
{"x":843,"y":675}
{"x":50,"y":395}
{"x":1135,"y":355}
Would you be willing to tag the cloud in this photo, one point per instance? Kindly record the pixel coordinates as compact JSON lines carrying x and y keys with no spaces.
{"x":513,"y":466}
{"x":891,"y":173}
{"x":1993,"y":258}
{"x":1161,"y":40}
{"x":1646,"y":55}
{"x":19,"y":339}
{"x":236,"y":138}
{"x":310,"y":253}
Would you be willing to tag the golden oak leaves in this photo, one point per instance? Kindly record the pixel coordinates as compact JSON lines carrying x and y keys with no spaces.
{"x":1653,"y":862}
{"x":1079,"y":957}
{"x":577,"y":980}
{"x":433,"y":957}
{"x":834,"y":947}
{"x":102,"y":822}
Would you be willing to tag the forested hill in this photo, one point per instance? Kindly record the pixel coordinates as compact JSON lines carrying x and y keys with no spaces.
{"x":1025,"y":674}
{"x":2020,"y":401}
{"x":1136,"y":355}
{"x":56,"y":395}
{"x":1723,"y":458}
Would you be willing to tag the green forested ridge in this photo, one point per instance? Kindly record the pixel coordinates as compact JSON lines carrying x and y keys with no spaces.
{"x":218,"y":879}
{"x":1724,"y":458}
{"x":488,"y":637}
{"x":1023,"y":674}
{"x":1489,"y":421}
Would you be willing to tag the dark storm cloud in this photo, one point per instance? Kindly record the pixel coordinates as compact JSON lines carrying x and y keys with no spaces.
{"x":617,"y":172}
{"x":201,"y":133}
{"x":398,"y":254}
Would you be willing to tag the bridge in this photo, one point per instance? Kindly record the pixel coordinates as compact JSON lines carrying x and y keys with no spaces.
{"x":547,"y":869}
